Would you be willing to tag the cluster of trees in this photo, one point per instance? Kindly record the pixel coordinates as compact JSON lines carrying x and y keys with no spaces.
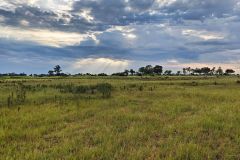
{"x":147,"y":70}
{"x":207,"y":71}
{"x":13,"y":74}
{"x":158,"y":70}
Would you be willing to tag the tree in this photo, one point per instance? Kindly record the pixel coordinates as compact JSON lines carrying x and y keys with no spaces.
{"x":158,"y":69}
{"x":178,"y":73}
{"x":126,"y":72}
{"x":132,"y":72}
{"x":168,"y":72}
{"x":148,"y":69}
{"x":189,"y":70}
{"x":141,"y":70}
{"x":51,"y":73}
{"x":205,"y":70}
{"x":184,"y":71}
{"x":57,"y":70}
{"x":213,"y":70}
{"x":229,"y":71}
{"x":102,"y":74}
{"x":197,"y":71}
{"x":219,"y":71}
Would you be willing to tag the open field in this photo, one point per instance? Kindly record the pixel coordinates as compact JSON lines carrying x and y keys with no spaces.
{"x":140,"y":118}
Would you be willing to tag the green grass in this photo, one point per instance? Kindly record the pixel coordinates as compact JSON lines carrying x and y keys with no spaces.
{"x":145,"y":118}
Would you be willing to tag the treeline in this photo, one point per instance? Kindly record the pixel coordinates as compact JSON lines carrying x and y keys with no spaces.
{"x":142,"y":71}
{"x":158,"y":70}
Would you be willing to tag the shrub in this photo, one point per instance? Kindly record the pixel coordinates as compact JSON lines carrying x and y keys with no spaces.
{"x":80,"y":89}
{"x":9,"y":101}
{"x":141,"y":88}
{"x":132,"y":85}
{"x":21,"y":94}
{"x":105,"y":89}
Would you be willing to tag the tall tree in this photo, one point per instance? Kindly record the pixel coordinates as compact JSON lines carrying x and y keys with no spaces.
{"x":132,"y":72}
{"x":126,"y":72}
{"x":213,"y":70}
{"x":141,"y":70}
{"x":149,"y":69}
{"x":189,"y":70}
{"x":57,"y":70}
{"x":219,"y":71}
{"x":158,"y":69}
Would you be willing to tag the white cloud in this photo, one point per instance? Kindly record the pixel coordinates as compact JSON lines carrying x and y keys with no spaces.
{"x":5,"y":5}
{"x":86,"y":14}
{"x":54,"y":5}
{"x":24,"y":23}
{"x":59,"y":7}
{"x":99,"y":65}
{"x":205,"y":35}
{"x":45,"y":37}
{"x":129,"y":36}
{"x":162,"y":3}
{"x":126,"y":31}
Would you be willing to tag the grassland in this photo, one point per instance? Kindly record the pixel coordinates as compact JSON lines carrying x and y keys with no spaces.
{"x":142,"y":118}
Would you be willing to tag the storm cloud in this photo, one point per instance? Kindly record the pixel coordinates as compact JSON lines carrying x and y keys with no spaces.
{"x":36,"y":34}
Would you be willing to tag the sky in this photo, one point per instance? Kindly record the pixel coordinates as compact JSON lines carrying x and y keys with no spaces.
{"x":112,"y":35}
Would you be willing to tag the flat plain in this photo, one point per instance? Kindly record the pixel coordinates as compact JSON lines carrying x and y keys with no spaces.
{"x":120,"y":118}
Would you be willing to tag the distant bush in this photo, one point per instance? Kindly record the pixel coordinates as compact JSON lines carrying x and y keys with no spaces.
{"x":102,"y":74}
{"x":10,"y":100}
{"x":21,"y":94}
{"x":80,"y":89}
{"x":105,"y":89}
{"x":132,"y":85}
{"x":238,"y":81}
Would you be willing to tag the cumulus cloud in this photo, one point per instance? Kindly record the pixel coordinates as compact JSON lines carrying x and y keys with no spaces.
{"x":99,"y":65}
{"x":44,"y":37}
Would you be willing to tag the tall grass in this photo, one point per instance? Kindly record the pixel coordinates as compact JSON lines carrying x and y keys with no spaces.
{"x":120,"y":118}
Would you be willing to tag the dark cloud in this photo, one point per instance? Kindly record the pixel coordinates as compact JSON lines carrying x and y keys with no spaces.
{"x":121,"y":12}
{"x":42,"y":19}
{"x":201,"y":9}
{"x":151,"y":30}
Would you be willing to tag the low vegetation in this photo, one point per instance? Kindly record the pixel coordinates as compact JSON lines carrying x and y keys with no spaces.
{"x":146,"y":117}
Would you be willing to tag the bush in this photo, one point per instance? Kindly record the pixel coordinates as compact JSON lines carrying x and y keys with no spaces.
{"x":105,"y":89}
{"x":80,"y":89}
{"x":21,"y":94}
